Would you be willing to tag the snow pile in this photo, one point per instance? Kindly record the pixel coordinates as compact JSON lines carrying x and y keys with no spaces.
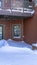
{"x":35,"y":52}
{"x":15,"y":49}
{"x":13,"y":46}
{"x":18,"y":43}
{"x":17,"y":53}
{"x":3,"y":43}
{"x":34,"y":44}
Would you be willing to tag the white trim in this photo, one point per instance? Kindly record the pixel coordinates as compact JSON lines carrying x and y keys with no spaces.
{"x":17,"y":37}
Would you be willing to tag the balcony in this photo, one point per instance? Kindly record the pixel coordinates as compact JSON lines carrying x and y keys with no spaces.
{"x":17,"y":8}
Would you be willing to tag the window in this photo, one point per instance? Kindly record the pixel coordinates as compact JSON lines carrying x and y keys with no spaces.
{"x":0,"y":3}
{"x":16,"y":31}
{"x":7,"y":4}
{"x":16,"y":3}
{"x":35,"y":2}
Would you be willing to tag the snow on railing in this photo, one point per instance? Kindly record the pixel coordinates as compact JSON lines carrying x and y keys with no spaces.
{"x":17,"y":10}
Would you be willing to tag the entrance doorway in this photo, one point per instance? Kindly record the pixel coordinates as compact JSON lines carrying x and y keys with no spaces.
{"x":1,"y":32}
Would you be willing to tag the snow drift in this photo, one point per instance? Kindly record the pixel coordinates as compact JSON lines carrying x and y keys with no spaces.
{"x":17,"y":53}
{"x":13,"y":46}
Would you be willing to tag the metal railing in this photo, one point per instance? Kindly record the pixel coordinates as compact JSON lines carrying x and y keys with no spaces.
{"x":25,"y":6}
{"x":18,"y":6}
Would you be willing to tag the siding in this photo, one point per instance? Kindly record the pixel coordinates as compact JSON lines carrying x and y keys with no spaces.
{"x":8,"y":27}
{"x":30,"y":26}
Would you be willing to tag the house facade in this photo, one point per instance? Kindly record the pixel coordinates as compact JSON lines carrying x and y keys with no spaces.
{"x":18,"y":20}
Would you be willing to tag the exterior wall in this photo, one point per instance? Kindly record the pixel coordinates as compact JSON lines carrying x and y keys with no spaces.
{"x":30,"y":29}
{"x":29,"y":26}
{"x":7,"y":27}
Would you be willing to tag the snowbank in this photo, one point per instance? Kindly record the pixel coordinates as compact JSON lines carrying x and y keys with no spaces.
{"x":13,"y":46}
{"x":3,"y":42}
{"x":35,"y":44}
{"x":18,"y":43}
{"x":16,"y":53}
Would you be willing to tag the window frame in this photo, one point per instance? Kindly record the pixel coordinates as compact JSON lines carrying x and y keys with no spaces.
{"x":19,"y":33}
{"x":1,"y":31}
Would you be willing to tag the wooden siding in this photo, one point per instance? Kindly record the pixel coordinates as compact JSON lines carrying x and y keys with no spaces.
{"x":30,"y":28}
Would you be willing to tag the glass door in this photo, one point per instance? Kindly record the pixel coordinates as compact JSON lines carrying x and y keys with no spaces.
{"x":1,"y":32}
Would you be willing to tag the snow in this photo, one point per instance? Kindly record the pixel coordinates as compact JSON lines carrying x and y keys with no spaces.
{"x":28,"y":11}
{"x":17,"y":10}
{"x":9,"y":10}
{"x":17,"y":53}
{"x":34,"y":44}
{"x":0,"y":9}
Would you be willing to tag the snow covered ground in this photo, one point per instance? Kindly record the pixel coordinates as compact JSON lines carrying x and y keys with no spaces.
{"x":17,"y":53}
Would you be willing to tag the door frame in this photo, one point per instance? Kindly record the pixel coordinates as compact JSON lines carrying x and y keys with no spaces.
{"x":3,"y":30}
